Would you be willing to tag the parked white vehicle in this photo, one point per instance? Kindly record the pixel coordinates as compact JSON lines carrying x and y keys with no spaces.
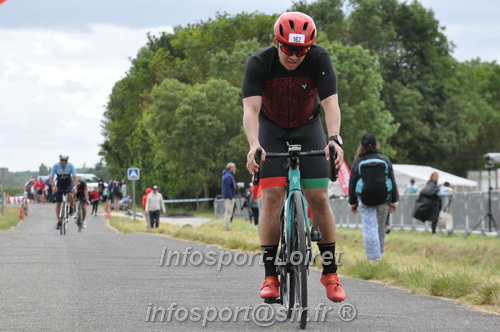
{"x":91,"y":179}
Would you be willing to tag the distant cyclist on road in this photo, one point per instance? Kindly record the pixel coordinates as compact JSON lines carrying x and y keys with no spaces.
{"x":82,"y":194}
{"x":280,"y":100}
{"x":66,"y":178}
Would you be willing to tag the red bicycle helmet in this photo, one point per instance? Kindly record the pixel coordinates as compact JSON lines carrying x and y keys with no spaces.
{"x":295,"y":28}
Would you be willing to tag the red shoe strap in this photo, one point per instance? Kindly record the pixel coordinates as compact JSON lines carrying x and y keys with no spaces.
{"x":270,"y":281}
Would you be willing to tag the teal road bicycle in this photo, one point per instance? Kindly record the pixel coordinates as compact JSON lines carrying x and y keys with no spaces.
{"x":296,"y":234}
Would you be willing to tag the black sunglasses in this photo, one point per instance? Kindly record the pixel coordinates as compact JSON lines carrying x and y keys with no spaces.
{"x":291,"y":50}
{"x":64,"y":159}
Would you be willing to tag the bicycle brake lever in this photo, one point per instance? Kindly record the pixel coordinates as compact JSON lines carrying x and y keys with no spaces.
{"x":333,"y":169}
{"x":258,"y":157}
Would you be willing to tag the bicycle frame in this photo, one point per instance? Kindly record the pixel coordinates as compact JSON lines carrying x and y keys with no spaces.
{"x":294,"y":185}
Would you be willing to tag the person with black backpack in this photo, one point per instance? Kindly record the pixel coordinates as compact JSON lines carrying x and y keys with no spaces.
{"x":372,"y":190}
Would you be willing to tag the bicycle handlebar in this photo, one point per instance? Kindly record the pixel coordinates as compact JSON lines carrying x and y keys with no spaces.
{"x":333,"y":170}
{"x":258,"y":157}
{"x":333,"y":156}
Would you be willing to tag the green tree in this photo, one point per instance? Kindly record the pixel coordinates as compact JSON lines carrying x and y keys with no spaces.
{"x":360,"y":85}
{"x":126,"y":143}
{"x":231,"y":67}
{"x":197,"y":44}
{"x":43,"y":170}
{"x":194,"y":130}
{"x":415,"y":62}
{"x":328,"y":16}
{"x":474,"y":91}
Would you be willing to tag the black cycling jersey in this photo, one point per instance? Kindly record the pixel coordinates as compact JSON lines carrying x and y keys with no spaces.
{"x":80,"y":189}
{"x":289,"y":97}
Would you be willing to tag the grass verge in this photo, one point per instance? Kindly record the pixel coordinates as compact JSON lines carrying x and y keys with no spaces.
{"x":9,"y":219}
{"x":465,"y":270}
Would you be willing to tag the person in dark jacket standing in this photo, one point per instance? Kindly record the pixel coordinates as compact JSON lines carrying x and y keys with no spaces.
{"x":372,"y":190}
{"x":228,"y":193}
{"x":428,"y":203}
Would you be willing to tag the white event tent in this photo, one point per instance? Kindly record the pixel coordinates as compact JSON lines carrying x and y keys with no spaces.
{"x":422,"y":174}
{"x":404,"y":173}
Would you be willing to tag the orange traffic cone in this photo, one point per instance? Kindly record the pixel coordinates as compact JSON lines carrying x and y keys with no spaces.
{"x":108,"y":210}
{"x":21,"y":212}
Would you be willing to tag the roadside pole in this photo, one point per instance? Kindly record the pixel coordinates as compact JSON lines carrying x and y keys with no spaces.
{"x":133,"y":174}
{"x":133,"y":198}
{"x":3,"y":172}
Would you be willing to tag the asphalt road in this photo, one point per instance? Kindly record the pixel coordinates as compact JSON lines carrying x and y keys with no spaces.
{"x":99,"y":280}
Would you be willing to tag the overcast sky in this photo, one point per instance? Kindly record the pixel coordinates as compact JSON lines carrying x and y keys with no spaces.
{"x":59,"y":60}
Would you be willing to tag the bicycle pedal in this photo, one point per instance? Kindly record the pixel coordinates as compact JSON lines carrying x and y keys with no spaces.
{"x":316,"y":234}
{"x":272,"y":300}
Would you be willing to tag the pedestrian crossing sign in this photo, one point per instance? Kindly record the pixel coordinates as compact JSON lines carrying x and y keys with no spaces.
{"x":133,"y":174}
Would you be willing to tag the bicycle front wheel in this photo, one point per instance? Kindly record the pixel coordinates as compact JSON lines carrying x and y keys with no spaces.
{"x":287,"y":281}
{"x":62,"y":218}
{"x":299,"y":259}
{"x":65,"y":217}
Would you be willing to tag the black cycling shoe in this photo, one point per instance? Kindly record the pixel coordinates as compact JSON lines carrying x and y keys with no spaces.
{"x":58,"y":226}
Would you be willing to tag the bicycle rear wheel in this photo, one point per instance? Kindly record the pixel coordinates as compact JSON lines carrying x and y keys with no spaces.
{"x":299,"y":259}
{"x":79,"y":219}
{"x":61,"y":228}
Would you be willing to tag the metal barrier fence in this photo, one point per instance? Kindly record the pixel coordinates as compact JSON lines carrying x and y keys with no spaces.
{"x":239,"y":211}
{"x":467,"y":209}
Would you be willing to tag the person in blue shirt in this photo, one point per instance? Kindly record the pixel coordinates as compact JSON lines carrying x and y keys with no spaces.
{"x":66,"y":181}
{"x":228,"y":193}
{"x":412,"y":188}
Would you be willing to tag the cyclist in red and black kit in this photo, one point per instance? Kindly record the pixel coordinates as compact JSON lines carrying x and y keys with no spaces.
{"x":280,"y":100}
{"x":82,"y":194}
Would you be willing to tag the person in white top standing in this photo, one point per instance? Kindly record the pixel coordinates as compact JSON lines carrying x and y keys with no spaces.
{"x":155,"y":205}
{"x":446,"y":193}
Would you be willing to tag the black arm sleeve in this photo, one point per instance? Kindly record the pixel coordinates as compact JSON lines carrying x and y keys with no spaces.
{"x":253,"y":81}
{"x":325,"y":76}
